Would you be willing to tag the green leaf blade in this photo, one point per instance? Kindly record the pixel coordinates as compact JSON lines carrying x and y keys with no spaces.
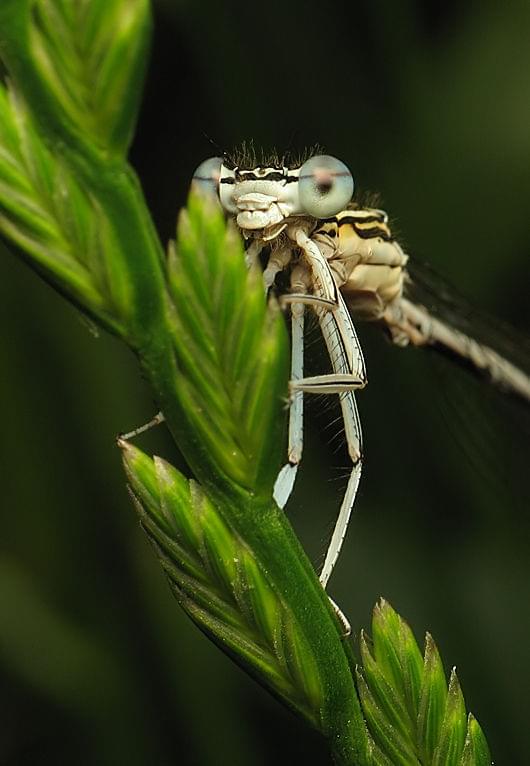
{"x":388,"y":738}
{"x":433,"y":699}
{"x":454,"y":725}
{"x":476,"y":750}
{"x":384,"y":694}
{"x":412,"y":716}
{"x":221,"y":584}
{"x":47,"y":213}
{"x":232,"y":348}
{"x":398,"y":654}
{"x":82,"y":66}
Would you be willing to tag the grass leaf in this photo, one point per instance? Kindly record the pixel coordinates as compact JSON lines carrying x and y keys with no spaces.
{"x":230,"y":347}
{"x":221,"y":584}
{"x":412,"y":716}
{"x":86,"y":59}
{"x":476,"y":750}
{"x":51,"y":217}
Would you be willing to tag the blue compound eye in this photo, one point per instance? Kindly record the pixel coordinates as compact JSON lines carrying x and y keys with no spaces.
{"x":206,"y":178}
{"x":325,"y":186}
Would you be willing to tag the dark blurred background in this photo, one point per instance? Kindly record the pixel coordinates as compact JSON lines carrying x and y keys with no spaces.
{"x":429,"y":104}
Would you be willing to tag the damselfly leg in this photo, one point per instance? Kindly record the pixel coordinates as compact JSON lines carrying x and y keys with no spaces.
{"x":348,"y":375}
{"x":155,"y":421}
{"x":285,"y":481}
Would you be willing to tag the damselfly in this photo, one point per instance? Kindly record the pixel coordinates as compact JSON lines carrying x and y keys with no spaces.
{"x":341,"y":261}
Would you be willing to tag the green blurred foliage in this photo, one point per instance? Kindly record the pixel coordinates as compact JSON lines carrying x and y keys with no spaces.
{"x":431,"y":109}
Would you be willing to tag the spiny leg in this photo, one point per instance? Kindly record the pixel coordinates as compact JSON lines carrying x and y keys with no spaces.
{"x":348,"y":364}
{"x":344,"y":385}
{"x":346,"y":361}
{"x":352,"y":430}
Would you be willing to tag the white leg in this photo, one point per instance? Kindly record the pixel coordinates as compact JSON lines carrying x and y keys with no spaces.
{"x":307,"y":300}
{"x":349,"y":370}
{"x":341,"y":525}
{"x":334,"y":383}
{"x":343,"y":384}
{"x":277,"y":262}
{"x":336,"y":328}
{"x":286,"y":478}
{"x":323,"y":281}
{"x":330,"y":383}
{"x":285,"y":481}
{"x":345,"y":625}
{"x":158,"y":418}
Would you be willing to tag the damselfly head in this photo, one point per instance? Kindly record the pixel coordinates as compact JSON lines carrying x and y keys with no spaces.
{"x":264,"y":198}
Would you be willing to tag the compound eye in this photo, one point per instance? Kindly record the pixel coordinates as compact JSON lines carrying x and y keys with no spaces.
{"x":206,"y":178}
{"x":325,"y":186}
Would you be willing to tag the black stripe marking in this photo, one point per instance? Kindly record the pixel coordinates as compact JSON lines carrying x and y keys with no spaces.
{"x":253,"y":177}
{"x":349,"y":215}
{"x":375,"y":231}
{"x":373,"y":234}
{"x":245,"y":175}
